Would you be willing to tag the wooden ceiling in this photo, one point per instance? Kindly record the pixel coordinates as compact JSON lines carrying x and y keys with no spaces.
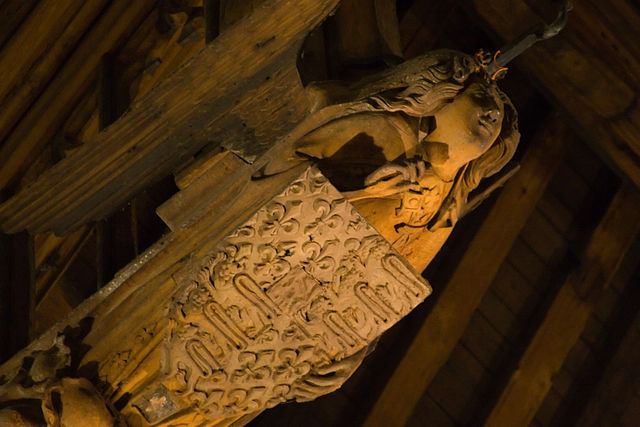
{"x":535,"y":314}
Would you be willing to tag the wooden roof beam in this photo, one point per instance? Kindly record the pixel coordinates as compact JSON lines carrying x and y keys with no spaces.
{"x":619,"y":382}
{"x":566,"y":318}
{"x":42,"y":116}
{"x":12,"y":13}
{"x":454,"y":307}
{"x":235,"y":89}
{"x":571,"y":68}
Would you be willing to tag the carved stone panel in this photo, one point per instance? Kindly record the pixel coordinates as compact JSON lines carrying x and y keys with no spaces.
{"x":305,"y":283}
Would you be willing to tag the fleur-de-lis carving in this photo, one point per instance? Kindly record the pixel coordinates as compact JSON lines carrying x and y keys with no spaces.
{"x":267,"y":335}
{"x":294,"y":363}
{"x":244,"y":232}
{"x":245,"y":400}
{"x":319,"y":184}
{"x":357,"y":222}
{"x":329,"y":217}
{"x":295,"y":188}
{"x":281,"y":218}
{"x":253,"y":366}
{"x":318,"y":262}
{"x":272,"y":262}
{"x":279,"y":394}
{"x":293,"y":333}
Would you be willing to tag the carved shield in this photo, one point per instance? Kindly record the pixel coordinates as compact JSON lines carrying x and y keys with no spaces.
{"x":302,"y":284}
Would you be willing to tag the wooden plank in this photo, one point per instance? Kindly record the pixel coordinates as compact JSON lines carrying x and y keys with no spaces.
{"x":357,"y":36}
{"x":619,"y":381}
{"x":566,"y":318}
{"x":50,"y":269}
{"x":542,"y":238}
{"x":429,"y":413}
{"x":388,"y":27}
{"x":51,"y":31}
{"x":579,"y":356}
{"x":12,"y":14}
{"x":171,"y":55}
{"x":21,"y":291}
{"x":604,"y":29}
{"x":188,"y":205}
{"x":549,"y":407}
{"x":527,"y":263}
{"x":455,"y":386}
{"x":632,"y":413}
{"x":422,"y":26}
{"x":41,"y":122}
{"x":232,"y":11}
{"x":570,"y":188}
{"x":211,"y":19}
{"x":484,"y":342}
{"x":5,"y":295}
{"x":515,"y":291}
{"x":74,"y":129}
{"x":600,"y":101}
{"x":447,"y":321}
{"x":149,"y":55}
{"x":239,"y":88}
{"x":500,"y":316}
{"x":557,"y":213}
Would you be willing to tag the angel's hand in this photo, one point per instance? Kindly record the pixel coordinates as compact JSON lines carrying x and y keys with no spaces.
{"x":389,"y":180}
{"x":411,"y":172}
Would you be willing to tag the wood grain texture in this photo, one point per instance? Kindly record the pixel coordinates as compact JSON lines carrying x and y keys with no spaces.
{"x":602,"y":392}
{"x":41,"y":122}
{"x":567,"y":317}
{"x":50,"y":270}
{"x":186,"y":206}
{"x":51,"y":31}
{"x":21,"y":291}
{"x":601,"y":100}
{"x":237,"y":88}
{"x":447,"y":321}
{"x":12,"y":14}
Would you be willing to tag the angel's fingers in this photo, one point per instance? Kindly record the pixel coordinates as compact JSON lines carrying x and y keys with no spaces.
{"x":407,"y":172}
{"x":386,"y":171}
{"x":422,"y":168}
{"x":392,"y":183}
{"x":413,"y":187}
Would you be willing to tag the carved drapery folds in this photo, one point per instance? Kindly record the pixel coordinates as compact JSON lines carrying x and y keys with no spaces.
{"x":305,"y":283}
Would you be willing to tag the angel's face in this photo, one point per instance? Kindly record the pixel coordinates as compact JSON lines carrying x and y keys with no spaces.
{"x":470,"y":123}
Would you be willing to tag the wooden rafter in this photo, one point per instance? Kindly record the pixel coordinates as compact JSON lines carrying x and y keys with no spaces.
{"x":39,"y":125}
{"x":566,"y":318}
{"x":199,"y":103}
{"x":21,"y":291}
{"x":621,"y":379}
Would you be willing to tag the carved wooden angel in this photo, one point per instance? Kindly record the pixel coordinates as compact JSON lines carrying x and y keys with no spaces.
{"x":408,"y":145}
